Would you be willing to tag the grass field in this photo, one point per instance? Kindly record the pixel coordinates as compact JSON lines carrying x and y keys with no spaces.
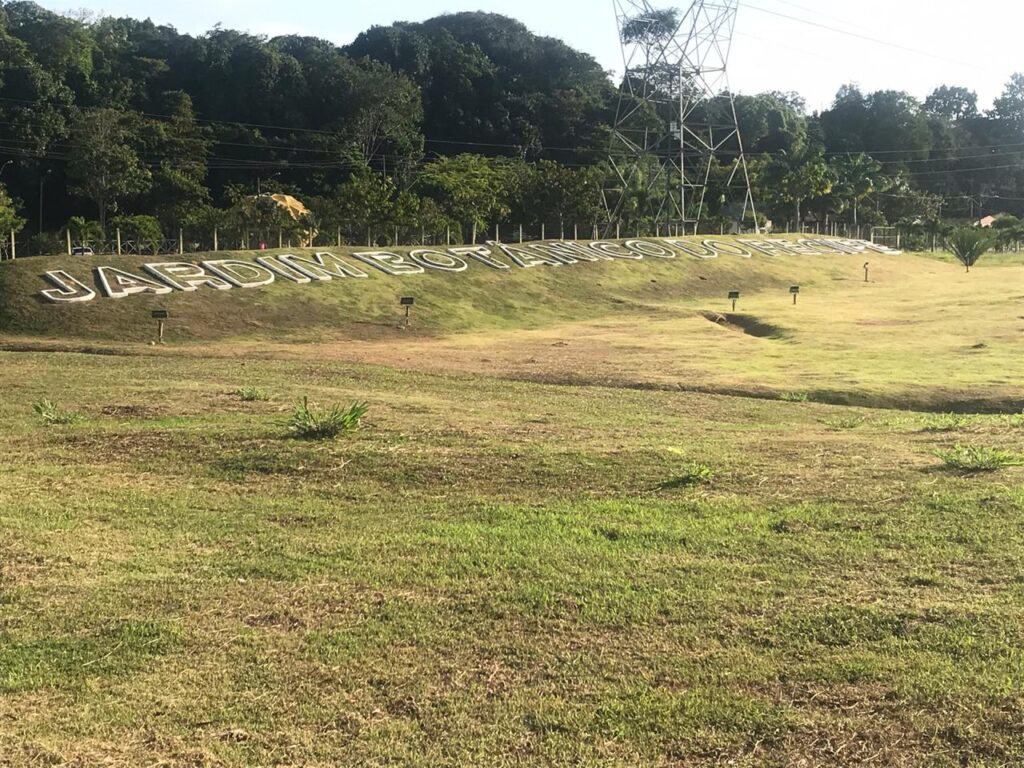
{"x":631,"y":529}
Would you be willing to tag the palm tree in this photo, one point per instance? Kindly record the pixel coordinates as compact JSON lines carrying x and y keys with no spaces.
{"x":859,"y":177}
{"x":969,"y":244}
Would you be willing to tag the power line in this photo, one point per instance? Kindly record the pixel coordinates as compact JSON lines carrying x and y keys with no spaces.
{"x":859,"y":36}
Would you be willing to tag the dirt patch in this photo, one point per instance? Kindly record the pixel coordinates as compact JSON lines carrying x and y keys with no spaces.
{"x":132,"y":412}
{"x":747,"y":324}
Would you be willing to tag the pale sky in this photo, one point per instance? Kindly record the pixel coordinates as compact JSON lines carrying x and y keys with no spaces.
{"x":974,"y":45}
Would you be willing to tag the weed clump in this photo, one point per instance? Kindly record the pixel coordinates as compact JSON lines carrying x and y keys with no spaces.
{"x":846,"y":422}
{"x":308,"y":423}
{"x":974,"y":458}
{"x":52,"y":415}
{"x":946,"y":422}
{"x":252,"y":395}
{"x":692,"y":475}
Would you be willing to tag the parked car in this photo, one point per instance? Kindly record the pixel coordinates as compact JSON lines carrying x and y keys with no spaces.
{"x":82,"y":250}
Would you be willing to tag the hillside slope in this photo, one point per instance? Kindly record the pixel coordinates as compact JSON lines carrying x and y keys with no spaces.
{"x":477,"y":299}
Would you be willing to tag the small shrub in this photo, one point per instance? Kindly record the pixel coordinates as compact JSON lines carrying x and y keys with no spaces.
{"x":307,"y":423}
{"x":975,"y":458}
{"x":52,"y":415}
{"x":795,"y":397}
{"x":693,"y":474}
{"x":969,"y":244}
{"x":252,"y":395}
{"x":946,"y":422}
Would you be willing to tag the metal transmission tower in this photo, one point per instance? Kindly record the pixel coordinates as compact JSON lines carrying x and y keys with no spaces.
{"x":676,"y":133}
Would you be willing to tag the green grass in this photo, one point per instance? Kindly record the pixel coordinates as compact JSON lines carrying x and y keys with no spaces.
{"x":978,"y":458}
{"x":496,"y":568}
{"x":552,"y":548}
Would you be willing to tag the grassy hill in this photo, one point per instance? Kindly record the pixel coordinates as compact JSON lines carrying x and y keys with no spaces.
{"x":475,"y":300}
{"x":921,"y":334}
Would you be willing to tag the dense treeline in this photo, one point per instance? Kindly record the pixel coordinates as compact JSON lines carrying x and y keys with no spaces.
{"x":457,"y":124}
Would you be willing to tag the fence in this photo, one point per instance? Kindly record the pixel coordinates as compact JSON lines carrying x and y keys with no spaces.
{"x":190,"y":240}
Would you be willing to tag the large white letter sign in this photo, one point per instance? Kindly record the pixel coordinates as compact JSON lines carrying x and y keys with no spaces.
{"x":769,"y":247}
{"x":322,"y":266}
{"x":279,"y":269}
{"x":185,"y":277}
{"x":527,"y":259}
{"x":697,"y":250}
{"x":615,"y":250}
{"x":570,"y":253}
{"x":67,"y":290}
{"x":481,"y":254}
{"x":646,"y":248}
{"x":389,"y":263}
{"x":116,"y":283}
{"x":728,"y":249}
{"x":241,"y":274}
{"x":443,"y":262}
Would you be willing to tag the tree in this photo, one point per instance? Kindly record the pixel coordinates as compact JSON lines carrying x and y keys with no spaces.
{"x":952,"y":103}
{"x":368,"y":203}
{"x":263,"y":216}
{"x":771,"y":123}
{"x":859,"y":176}
{"x":83,"y":231}
{"x":32,"y":112}
{"x":1010,"y":105}
{"x":144,"y":231}
{"x":491,"y":84}
{"x":969,"y":244}
{"x":547,"y":191}
{"x":103,"y":166}
{"x":472,"y":190}
{"x":10,"y":221}
{"x":182,"y":147}
{"x":803,"y":178}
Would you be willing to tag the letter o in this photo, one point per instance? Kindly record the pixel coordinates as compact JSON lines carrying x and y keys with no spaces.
{"x":443,"y":262}
{"x":646,"y":248}
{"x":727,"y":249}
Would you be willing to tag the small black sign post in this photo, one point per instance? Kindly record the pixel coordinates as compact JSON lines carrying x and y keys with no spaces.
{"x":867,"y":266}
{"x":795,"y":290}
{"x":734,"y":296}
{"x":407,"y":302}
{"x":160,"y":315}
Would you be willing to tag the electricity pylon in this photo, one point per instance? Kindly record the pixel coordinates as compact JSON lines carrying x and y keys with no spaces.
{"x":676,"y":132}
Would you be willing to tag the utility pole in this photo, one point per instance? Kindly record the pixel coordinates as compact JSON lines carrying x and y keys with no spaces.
{"x":676,"y":67}
{"x":42,"y":182}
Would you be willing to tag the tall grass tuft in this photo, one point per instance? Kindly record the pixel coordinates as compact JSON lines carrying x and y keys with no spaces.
{"x":52,"y":415}
{"x":308,"y":423}
{"x":975,"y":458}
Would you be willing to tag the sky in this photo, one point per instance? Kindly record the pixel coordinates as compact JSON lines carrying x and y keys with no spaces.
{"x":911,"y":45}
